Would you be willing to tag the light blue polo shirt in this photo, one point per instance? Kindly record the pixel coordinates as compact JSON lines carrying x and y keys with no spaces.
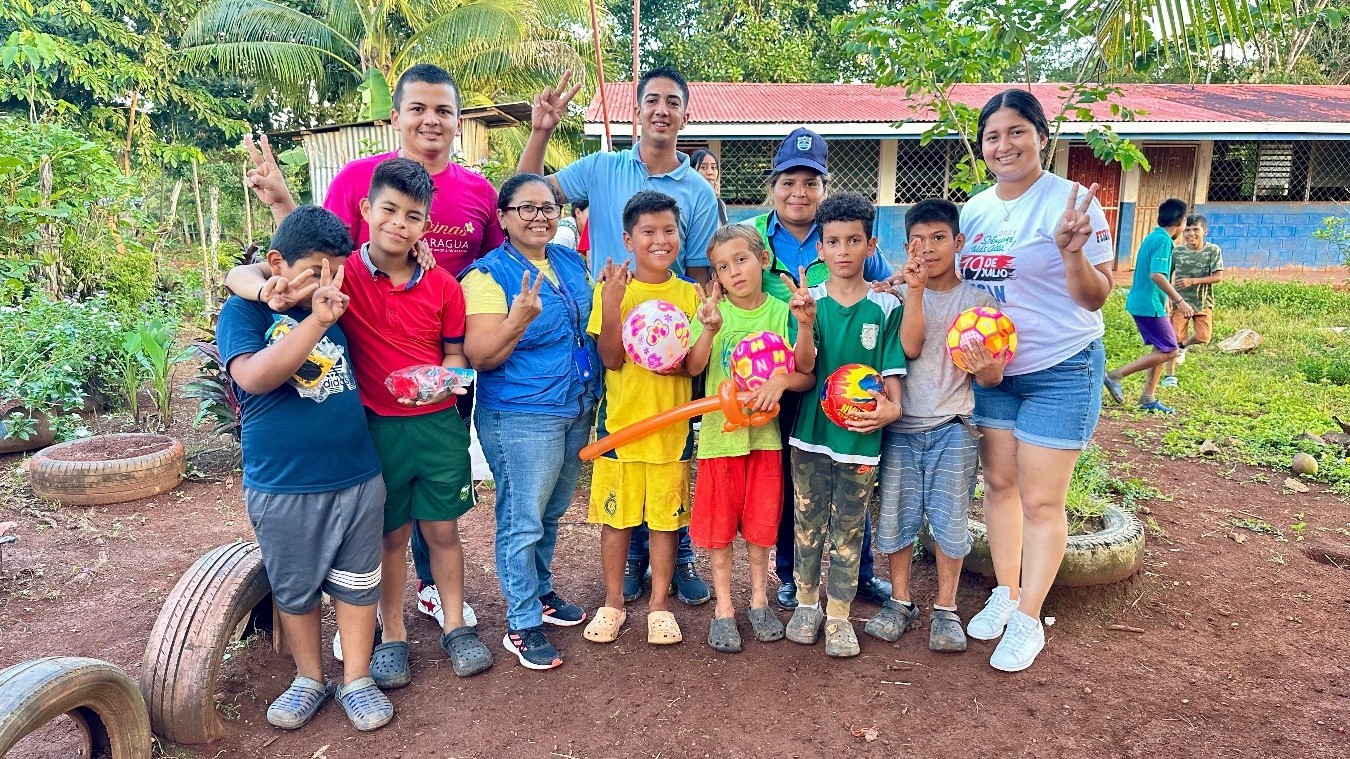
{"x":796,"y":254}
{"x":608,"y":180}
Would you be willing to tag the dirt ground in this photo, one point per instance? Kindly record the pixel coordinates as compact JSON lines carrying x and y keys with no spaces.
{"x":1242,"y":649}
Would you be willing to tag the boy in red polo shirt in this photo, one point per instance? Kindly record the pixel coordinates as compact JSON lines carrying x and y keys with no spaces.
{"x":403,"y":315}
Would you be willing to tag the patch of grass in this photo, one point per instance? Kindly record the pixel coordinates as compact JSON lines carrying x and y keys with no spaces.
{"x":1296,"y":381}
{"x":1259,"y":526}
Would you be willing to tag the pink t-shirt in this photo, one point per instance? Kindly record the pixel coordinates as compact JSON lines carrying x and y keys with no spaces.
{"x":463,"y":218}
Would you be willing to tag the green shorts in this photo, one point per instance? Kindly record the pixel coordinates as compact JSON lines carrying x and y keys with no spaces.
{"x":427,"y":471}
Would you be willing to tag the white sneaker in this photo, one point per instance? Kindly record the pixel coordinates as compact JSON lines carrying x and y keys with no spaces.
{"x":989,"y":622}
{"x":429,"y":603}
{"x":1181,"y":356}
{"x":1020,"y":645}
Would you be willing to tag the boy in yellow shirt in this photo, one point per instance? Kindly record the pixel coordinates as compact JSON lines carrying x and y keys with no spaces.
{"x":647,"y":479}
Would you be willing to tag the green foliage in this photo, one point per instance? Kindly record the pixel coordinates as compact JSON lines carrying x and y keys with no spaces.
{"x":1093,"y":487}
{"x":151,"y":344}
{"x":213,"y":388}
{"x":1253,"y":406}
{"x":1336,"y":230}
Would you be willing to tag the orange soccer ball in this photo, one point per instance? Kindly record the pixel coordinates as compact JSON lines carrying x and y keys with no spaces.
{"x":848,"y":391}
{"x":981,"y":324}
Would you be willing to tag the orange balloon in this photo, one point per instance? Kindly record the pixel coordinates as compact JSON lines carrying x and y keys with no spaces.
{"x":728,"y":401}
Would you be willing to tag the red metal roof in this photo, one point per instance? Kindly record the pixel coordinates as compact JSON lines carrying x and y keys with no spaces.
{"x":750,"y":103}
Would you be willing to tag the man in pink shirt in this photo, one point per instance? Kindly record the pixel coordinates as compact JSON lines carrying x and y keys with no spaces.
{"x":463,"y":219}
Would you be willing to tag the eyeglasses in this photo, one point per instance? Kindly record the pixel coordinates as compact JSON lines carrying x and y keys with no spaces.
{"x":530,"y":211}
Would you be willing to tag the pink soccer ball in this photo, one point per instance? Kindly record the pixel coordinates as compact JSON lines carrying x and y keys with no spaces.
{"x":759,"y":357}
{"x":656,"y":335}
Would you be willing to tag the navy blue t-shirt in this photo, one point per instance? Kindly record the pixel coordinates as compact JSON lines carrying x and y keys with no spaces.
{"x":309,"y":435}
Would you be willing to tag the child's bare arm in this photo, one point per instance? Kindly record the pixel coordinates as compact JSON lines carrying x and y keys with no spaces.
{"x":264,"y":371}
{"x":911,"y":325}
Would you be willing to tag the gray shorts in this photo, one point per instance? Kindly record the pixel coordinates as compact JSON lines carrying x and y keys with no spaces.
{"x":315,"y":543}
{"x":927,"y":474}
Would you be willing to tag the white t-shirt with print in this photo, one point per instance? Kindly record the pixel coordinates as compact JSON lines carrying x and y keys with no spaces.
{"x":1011,"y":253}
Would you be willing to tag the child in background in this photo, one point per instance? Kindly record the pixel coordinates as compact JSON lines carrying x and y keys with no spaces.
{"x":1196,"y":267}
{"x":312,"y":482}
{"x":647,"y":479}
{"x":929,"y":456}
{"x":739,"y":486}
{"x":1147,"y":303}
{"x":833,"y":468}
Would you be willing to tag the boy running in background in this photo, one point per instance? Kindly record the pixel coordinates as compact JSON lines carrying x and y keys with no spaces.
{"x":834,"y":468}
{"x":1196,"y":267}
{"x":739,"y":486}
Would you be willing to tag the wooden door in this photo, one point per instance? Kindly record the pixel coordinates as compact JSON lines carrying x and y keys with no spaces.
{"x":1085,"y":168}
{"x":1172,"y":176}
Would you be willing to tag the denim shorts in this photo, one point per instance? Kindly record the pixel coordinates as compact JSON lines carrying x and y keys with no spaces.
{"x":1052,"y":408}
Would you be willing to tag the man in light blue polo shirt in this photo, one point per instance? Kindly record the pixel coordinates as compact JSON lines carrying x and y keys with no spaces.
{"x":608,"y":180}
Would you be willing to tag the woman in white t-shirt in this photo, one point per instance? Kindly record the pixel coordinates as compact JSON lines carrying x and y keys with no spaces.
{"x":1041,"y":246}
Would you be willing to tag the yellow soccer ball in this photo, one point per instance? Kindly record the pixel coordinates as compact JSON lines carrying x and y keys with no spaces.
{"x":983,"y":324}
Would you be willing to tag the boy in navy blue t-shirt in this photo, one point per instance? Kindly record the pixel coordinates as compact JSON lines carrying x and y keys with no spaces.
{"x":317,"y":509}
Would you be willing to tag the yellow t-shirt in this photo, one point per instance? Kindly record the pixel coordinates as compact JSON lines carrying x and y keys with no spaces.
{"x":482,"y":294}
{"x":634,"y":393}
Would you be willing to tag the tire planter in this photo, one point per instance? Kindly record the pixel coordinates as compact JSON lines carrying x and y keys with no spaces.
{"x":98,"y":697}
{"x":44,"y":436}
{"x":68,"y":473}
{"x":1114,"y":553}
{"x":222,"y":597}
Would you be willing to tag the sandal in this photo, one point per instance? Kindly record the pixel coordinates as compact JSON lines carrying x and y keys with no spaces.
{"x":892,"y":621}
{"x":468,"y":655}
{"x":389,"y":665}
{"x":724,"y":636}
{"x":605,"y":627}
{"x":298,"y":703}
{"x":662,"y":629}
{"x":840,"y":639}
{"x":366,"y":706}
{"x":767,"y":626}
{"x":804,"y":627}
{"x":945,"y":633}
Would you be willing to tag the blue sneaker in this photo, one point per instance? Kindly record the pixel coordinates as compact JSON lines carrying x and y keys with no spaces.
{"x":1113,"y":388}
{"x":1156,"y":407}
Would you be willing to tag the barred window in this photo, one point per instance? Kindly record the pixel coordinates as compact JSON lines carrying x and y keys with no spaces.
{"x":925,"y":171}
{"x":854,"y":165}
{"x":745,"y":168}
{"x":1280,"y":171}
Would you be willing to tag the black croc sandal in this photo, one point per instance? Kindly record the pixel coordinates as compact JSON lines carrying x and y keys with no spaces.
{"x":723,"y":635}
{"x":389,"y":665}
{"x":468,"y":655}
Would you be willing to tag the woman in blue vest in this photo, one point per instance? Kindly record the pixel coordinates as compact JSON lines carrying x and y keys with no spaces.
{"x":537,"y":385}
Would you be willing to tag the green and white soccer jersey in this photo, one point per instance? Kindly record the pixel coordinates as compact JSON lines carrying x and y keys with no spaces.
{"x":867,"y":332}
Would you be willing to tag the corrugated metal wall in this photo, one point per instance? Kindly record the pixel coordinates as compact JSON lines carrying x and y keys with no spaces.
{"x":330,"y":151}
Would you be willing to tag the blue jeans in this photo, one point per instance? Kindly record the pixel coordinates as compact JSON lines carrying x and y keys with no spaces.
{"x":535,"y":466}
{"x":639,"y":548}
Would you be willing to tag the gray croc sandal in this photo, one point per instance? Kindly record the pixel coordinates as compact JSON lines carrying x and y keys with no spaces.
{"x":945,"y":633}
{"x":892,"y":621}
{"x":366,"y":706}
{"x":298,"y":703}
{"x":840,"y":640}
{"x":724,"y":636}
{"x":389,"y":665}
{"x":767,"y":626}
{"x":468,"y":655}
{"x":804,"y":627}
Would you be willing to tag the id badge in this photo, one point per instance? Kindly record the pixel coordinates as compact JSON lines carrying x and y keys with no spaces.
{"x":581,"y":358}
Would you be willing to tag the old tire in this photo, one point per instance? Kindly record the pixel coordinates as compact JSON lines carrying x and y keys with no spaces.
{"x":1110,"y":555}
{"x":94,"y":483}
{"x":224,"y":596}
{"x":100,"y":699}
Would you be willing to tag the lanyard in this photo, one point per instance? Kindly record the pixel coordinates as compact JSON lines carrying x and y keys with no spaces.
{"x":573,"y":308}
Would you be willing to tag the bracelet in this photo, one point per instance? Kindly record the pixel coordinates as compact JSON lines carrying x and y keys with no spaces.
{"x":260,"y":289}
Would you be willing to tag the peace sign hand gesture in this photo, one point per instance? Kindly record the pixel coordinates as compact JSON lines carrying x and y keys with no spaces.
{"x":915,"y":271}
{"x":549,"y":106}
{"x":329,"y":303}
{"x":708,"y":314}
{"x":527,"y":305}
{"x":265,"y":178}
{"x":281,"y":294}
{"x":615,"y":278}
{"x":1075,"y":226}
{"x":802,"y":305}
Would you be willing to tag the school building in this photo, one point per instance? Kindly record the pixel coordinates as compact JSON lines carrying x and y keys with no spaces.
{"x":1264,"y":163}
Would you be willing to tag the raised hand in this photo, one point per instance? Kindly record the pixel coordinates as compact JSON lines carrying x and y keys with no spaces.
{"x":1075,"y":226}
{"x":887,"y":411}
{"x":802,"y":305}
{"x":915,"y":271}
{"x":615,"y":278}
{"x":549,"y":106}
{"x":265,"y":178}
{"x":281,"y":294}
{"x":527,"y":305}
{"x":708,"y":314}
{"x":329,"y":303}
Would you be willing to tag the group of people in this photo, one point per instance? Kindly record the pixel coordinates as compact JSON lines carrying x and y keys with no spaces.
{"x":415,"y":260}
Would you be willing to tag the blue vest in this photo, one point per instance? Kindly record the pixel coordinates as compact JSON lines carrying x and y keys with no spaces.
{"x":540,"y":376}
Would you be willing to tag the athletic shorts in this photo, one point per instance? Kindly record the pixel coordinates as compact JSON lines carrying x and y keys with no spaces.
{"x":928,"y":475}
{"x":627,"y":493}
{"x":314,"y":543}
{"x":1056,"y":407}
{"x":1157,"y":332}
{"x":426,"y":466}
{"x":738,"y":493}
{"x":1202,"y":323}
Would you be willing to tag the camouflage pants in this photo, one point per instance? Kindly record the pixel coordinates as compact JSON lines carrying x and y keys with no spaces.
{"x":831,"y":502}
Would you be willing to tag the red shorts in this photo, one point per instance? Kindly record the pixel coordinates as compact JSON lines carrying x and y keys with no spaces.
{"x":742,"y":493}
